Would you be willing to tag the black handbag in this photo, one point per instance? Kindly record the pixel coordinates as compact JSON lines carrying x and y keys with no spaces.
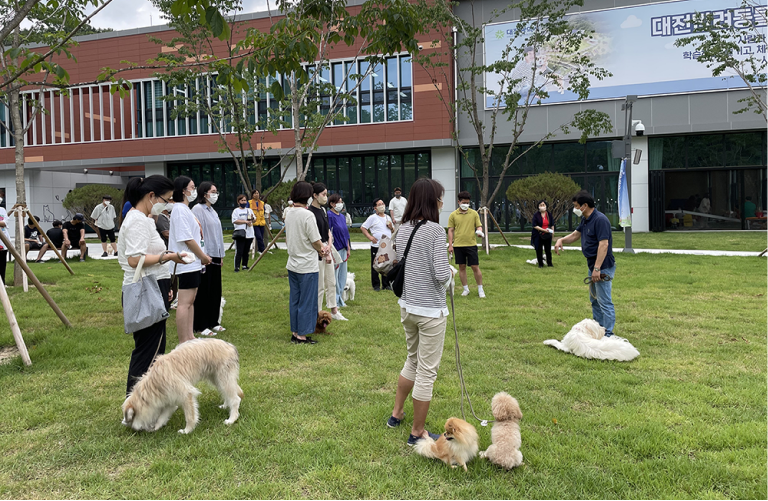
{"x":396,"y":275}
{"x":238,"y":234}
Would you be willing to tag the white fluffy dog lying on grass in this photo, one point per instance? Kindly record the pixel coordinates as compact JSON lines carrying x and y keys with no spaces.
{"x":587,"y":340}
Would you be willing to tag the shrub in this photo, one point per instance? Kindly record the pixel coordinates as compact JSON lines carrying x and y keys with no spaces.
{"x":556,"y":189}
{"x":86,"y":198}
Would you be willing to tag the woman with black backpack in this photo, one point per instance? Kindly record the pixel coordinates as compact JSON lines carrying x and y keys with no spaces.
{"x":423,"y":310}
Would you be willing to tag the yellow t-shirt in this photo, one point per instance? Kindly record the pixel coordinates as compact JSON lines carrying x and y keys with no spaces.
{"x":464,"y":225}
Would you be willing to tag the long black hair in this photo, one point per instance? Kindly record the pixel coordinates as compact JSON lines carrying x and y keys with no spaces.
{"x":179,"y":185}
{"x":139,"y":187}
{"x":203,"y":190}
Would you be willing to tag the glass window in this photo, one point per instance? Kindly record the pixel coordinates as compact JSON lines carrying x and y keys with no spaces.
{"x":338,"y":83}
{"x":370,"y":179}
{"x":396,"y":172}
{"x":352,"y":100}
{"x":406,"y":108}
{"x":471,"y":157}
{"x":356,"y":169}
{"x":158,"y":87}
{"x":365,"y":94}
{"x":392,"y":93}
{"x":673,"y":152}
{"x":567,"y":157}
{"x":600,"y":157}
{"x":324,"y":84}
{"x":409,"y":171}
{"x":744,"y":149}
{"x":378,"y":93}
{"x":382,"y":165}
{"x":705,"y":151}
{"x":331,"y":181}
{"x":344,"y":178}
{"x":538,"y":159}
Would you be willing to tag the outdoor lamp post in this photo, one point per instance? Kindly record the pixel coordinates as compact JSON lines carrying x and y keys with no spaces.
{"x":627,"y":109}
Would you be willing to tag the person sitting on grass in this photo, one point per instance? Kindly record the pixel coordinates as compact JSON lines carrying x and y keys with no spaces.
{"x":594,"y":230}
{"x":33,"y":240}
{"x":463,"y":224}
{"x":74,"y":236}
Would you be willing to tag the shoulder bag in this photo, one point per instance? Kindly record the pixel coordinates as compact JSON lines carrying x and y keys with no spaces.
{"x":143,"y":303}
{"x":396,"y":275}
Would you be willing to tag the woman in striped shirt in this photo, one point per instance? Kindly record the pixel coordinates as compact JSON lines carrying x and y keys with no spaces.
{"x":423,"y":311}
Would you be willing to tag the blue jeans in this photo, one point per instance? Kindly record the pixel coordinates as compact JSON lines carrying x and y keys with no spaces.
{"x":303,"y":302}
{"x":341,"y":277}
{"x":602,"y":306}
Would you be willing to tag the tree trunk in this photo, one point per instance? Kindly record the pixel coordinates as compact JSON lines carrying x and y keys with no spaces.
{"x":21,"y":197}
{"x":295,"y":112}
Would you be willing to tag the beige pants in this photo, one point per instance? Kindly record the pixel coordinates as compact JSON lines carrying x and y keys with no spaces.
{"x":425,"y":337}
{"x":326,"y":284}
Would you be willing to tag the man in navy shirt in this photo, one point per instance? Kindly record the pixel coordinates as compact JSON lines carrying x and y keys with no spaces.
{"x":597,"y":246}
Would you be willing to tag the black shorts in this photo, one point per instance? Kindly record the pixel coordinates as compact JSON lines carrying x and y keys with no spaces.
{"x":75,"y":245}
{"x":34,"y":245}
{"x":466,"y":255}
{"x":190,"y":280}
{"x":107,"y":233}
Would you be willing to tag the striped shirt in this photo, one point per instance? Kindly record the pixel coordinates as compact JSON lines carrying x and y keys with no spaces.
{"x":427,"y":273}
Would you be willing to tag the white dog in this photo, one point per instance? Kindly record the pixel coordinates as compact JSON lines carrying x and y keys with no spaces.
{"x":171,"y":380}
{"x":587,"y":340}
{"x":349,"y":288}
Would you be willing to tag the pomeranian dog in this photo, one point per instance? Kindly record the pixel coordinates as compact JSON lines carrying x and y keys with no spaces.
{"x":587,"y":340}
{"x":349,"y":288}
{"x":170,"y":383}
{"x":455,"y":447}
{"x":505,"y":434}
{"x":324,"y":319}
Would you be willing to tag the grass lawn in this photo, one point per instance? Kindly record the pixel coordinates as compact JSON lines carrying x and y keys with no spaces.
{"x":687,"y":419}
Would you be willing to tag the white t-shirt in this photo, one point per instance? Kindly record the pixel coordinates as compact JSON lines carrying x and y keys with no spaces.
{"x":399,"y":207}
{"x":138,"y":237}
{"x":377,"y":226}
{"x":300,"y":231}
{"x":184,"y":226}
{"x":4,"y":217}
{"x":243,"y":214}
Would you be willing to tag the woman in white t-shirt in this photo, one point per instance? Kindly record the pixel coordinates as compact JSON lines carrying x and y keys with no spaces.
{"x":243,"y":218}
{"x":138,"y":238}
{"x":186,"y":235}
{"x":3,"y":250}
{"x":378,"y":225}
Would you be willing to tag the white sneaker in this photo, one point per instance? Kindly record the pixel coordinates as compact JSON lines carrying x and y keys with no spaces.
{"x":481,"y":293}
{"x":338,"y":316}
{"x":465,"y":292}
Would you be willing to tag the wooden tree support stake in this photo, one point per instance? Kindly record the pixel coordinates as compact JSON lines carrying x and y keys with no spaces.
{"x":14,"y":326}
{"x":487,"y":239}
{"x":762,"y":253}
{"x":498,"y":227}
{"x":50,"y":244}
{"x":40,"y":288}
{"x":268,"y":247}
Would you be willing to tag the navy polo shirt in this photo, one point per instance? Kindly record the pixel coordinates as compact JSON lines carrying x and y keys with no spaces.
{"x":593,"y":229}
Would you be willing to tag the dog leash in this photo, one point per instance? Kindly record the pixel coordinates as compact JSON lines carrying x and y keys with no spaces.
{"x":588,"y":281}
{"x":483,"y":422}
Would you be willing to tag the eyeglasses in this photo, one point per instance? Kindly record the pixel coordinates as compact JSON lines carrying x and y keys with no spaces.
{"x":164,"y":200}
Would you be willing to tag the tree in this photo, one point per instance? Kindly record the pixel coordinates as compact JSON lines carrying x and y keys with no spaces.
{"x":545,"y":52}
{"x":279,"y":196}
{"x":556,"y":189}
{"x":720,"y":46}
{"x":86,"y":198}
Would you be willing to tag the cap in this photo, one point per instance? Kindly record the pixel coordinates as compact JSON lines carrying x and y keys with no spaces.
{"x":79,"y":217}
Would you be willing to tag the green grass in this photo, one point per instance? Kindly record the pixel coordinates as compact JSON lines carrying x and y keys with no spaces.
{"x":687,"y":419}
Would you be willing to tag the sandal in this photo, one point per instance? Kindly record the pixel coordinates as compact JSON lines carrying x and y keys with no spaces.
{"x":207,"y":332}
{"x":218,"y":328}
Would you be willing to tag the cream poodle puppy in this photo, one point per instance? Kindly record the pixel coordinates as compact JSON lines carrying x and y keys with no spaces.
{"x":505,"y":434}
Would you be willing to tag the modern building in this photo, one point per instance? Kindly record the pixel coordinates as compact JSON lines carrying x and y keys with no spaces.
{"x":400,"y":128}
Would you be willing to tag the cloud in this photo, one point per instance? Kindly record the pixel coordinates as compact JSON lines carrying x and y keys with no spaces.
{"x":631,"y":22}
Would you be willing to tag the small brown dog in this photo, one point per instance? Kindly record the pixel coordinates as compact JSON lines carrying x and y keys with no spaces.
{"x":454,"y":447}
{"x":323,"y":321}
{"x":505,"y":433}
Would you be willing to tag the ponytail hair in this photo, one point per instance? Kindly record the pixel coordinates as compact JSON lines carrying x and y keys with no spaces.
{"x":139,"y":187}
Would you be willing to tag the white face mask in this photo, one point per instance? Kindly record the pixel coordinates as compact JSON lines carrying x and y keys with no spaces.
{"x":309,"y":201}
{"x":158,"y":208}
{"x":543,"y":209}
{"x":107,"y":203}
{"x":322,"y":200}
{"x":380,"y":209}
{"x":213,"y":197}
{"x":464,"y":206}
{"x":339,"y":207}
{"x":1,"y":200}
{"x":577,"y":212}
{"x":192,"y":196}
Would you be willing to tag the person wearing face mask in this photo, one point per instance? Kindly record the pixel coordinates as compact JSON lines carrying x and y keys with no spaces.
{"x":243,"y":218}
{"x":341,"y":243}
{"x":594,"y":230}
{"x":259,"y":224}
{"x":186,"y":235}
{"x":104,"y":215}
{"x":541,"y":234}
{"x":463,"y":227}
{"x":138,"y":238}
{"x":326,"y":285}
{"x":208,"y":298}
{"x":397,"y":208}
{"x":163,"y":221}
{"x":378,"y":225}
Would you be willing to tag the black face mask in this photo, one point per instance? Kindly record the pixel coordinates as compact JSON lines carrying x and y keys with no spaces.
{"x":243,"y":205}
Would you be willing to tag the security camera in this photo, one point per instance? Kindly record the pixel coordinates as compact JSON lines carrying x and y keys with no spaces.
{"x":639,"y":128}
{"x":421,"y":47}
{"x":85,"y":171}
{"x":111,"y":172}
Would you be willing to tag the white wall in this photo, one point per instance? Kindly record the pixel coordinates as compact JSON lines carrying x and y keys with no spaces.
{"x":444,"y":170}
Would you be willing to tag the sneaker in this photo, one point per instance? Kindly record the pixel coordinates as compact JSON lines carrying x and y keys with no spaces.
{"x":237,"y":270}
{"x":377,"y":289}
{"x":393,"y":422}
{"x":244,"y":268}
{"x":465,"y":292}
{"x":105,"y":255}
{"x":338,"y":316}
{"x":412,"y":440}
{"x":481,"y":293}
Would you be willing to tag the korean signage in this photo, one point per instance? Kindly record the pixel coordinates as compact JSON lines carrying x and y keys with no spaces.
{"x":636,"y":44}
